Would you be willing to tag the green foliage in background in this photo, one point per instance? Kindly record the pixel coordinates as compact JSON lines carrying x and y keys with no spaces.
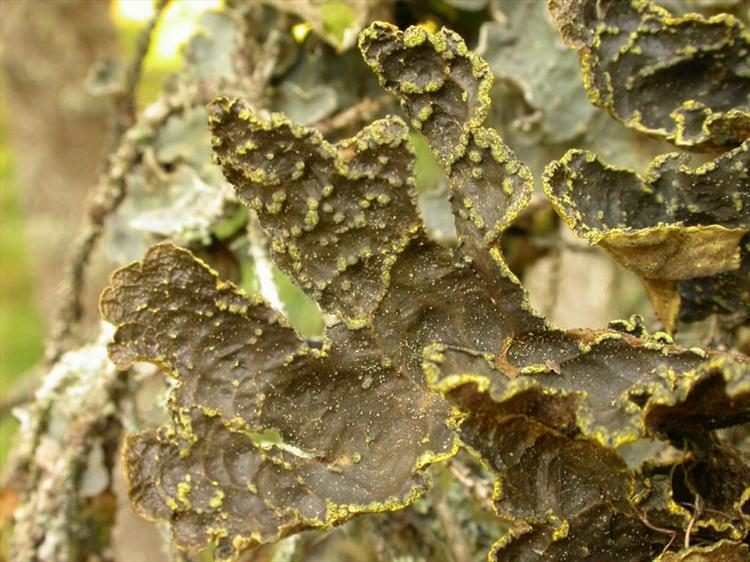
{"x":21,"y":330}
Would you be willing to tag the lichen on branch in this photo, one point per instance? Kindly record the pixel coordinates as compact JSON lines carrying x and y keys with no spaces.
{"x":271,"y":435}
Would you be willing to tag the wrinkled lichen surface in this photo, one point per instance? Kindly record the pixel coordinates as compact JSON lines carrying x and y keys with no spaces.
{"x":432,"y":347}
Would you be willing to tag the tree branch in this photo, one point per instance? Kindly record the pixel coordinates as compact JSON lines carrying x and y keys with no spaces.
{"x":104,"y":201}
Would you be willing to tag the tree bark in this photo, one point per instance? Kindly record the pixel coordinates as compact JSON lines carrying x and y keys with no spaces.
{"x":57,"y":130}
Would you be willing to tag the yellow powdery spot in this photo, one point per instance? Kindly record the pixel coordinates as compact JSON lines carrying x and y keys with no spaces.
{"x":183,"y":490}
{"x":562,"y":531}
{"x":217,"y":500}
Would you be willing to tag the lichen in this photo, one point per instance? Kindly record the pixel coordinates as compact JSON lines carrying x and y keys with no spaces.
{"x":683,"y":79}
{"x":439,"y":346}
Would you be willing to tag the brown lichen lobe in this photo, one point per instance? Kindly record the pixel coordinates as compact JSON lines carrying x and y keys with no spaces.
{"x":684,"y":80}
{"x":209,"y":473}
{"x":672,"y":224}
{"x":354,"y":424}
{"x":338,"y":215}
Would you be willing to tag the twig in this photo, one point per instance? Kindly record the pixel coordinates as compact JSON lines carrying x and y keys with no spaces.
{"x":54,"y":520}
{"x":671,"y":532}
{"x":125,"y":114}
{"x":559,"y":244}
{"x":105,"y":200}
{"x":20,"y":470}
{"x":254,"y":62}
{"x":263,"y":70}
{"x":361,"y":112}
{"x":478,"y":489}
{"x":245,"y":39}
{"x":457,"y":544}
{"x":697,"y":511}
